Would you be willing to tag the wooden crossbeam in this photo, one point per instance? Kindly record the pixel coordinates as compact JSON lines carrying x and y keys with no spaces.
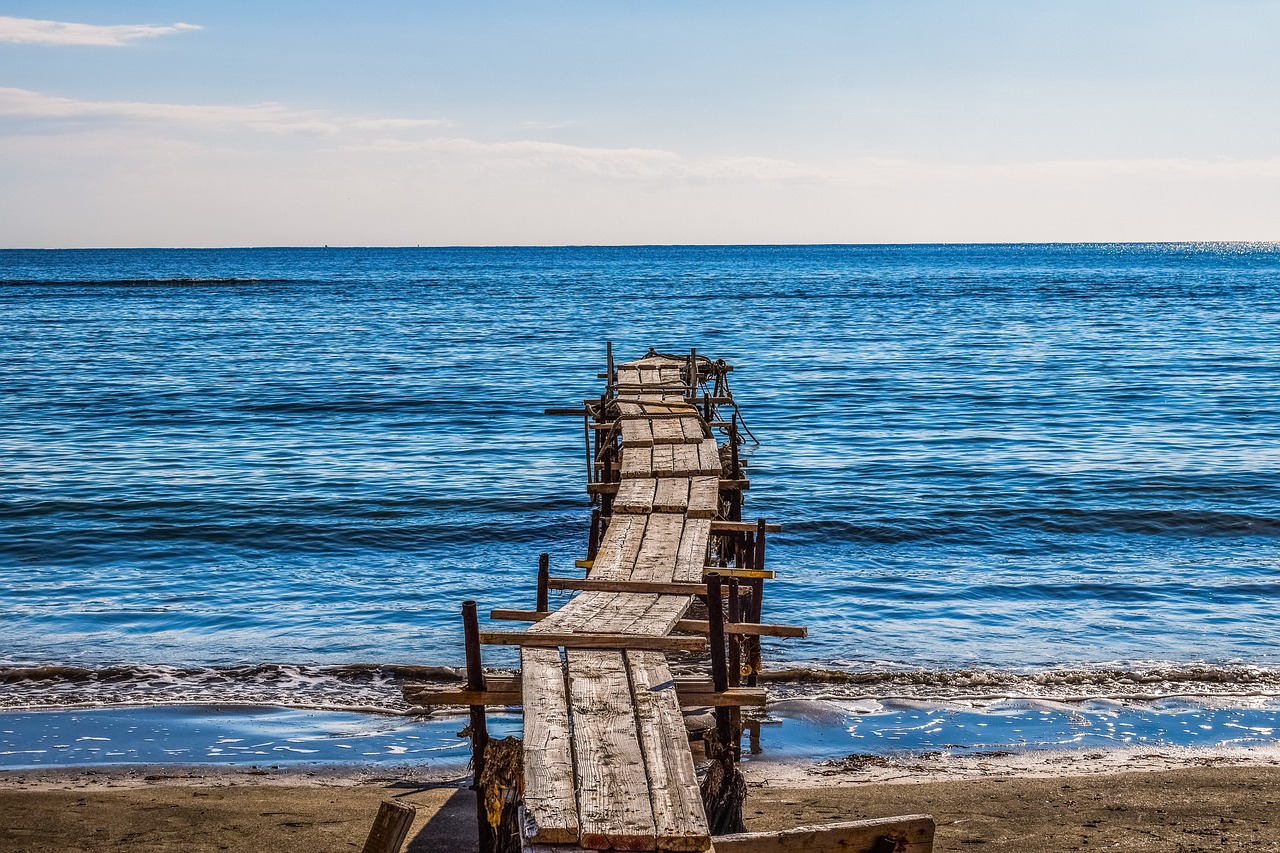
{"x":742,"y":527}
{"x":748,"y":574}
{"x":753,"y":629}
{"x":651,"y":587}
{"x":724,"y":485}
{"x":593,"y":641}
{"x":700,"y":626}
{"x":696,"y":694}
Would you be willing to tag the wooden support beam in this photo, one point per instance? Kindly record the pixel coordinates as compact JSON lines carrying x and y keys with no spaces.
{"x":748,"y":629}
{"x":742,"y":574}
{"x":724,"y":485}
{"x":742,"y":527}
{"x":906,"y":834}
{"x":649,"y":587}
{"x":692,"y":693}
{"x":697,"y":626}
{"x":593,"y":641}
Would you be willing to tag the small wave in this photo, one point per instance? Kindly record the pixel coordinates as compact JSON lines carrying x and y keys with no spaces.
{"x":358,"y":687}
{"x":1146,"y":682}
{"x":380,"y":688}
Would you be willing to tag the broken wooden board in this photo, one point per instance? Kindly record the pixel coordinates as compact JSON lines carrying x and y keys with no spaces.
{"x":614,"y":808}
{"x":679,"y":819}
{"x":908,"y":834}
{"x":550,"y":802}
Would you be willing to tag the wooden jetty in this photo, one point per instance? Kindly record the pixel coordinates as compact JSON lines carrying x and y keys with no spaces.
{"x":605,"y":758}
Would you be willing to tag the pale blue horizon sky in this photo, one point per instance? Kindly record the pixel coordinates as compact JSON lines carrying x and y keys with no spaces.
{"x":399,"y":123}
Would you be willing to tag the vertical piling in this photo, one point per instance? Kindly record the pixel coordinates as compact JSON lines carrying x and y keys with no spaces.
{"x":753,"y":643}
{"x":593,"y":538}
{"x":735,"y":668}
{"x":544,"y":581}
{"x":715,"y":634}
{"x":608,"y":357}
{"x":479,"y":729}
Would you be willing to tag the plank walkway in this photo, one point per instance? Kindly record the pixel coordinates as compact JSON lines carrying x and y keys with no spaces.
{"x":605,"y":754}
{"x":606,"y":757}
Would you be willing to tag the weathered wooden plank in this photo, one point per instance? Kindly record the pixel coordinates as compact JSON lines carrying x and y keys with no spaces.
{"x":694,"y":429}
{"x":637,"y":462}
{"x":628,"y":375}
{"x":667,"y":431}
{"x":636,"y":432}
{"x":704,"y":497}
{"x":648,"y":614}
{"x":622,"y":614}
{"x":684,"y":460}
{"x":695,"y":540}
{"x":910,"y":834}
{"x":662,"y":460}
{"x":671,"y":374}
{"x":584,"y":640}
{"x":550,"y":801}
{"x":657,"y":558}
{"x":614,"y":808}
{"x":671,"y":495}
{"x":635,"y":496}
{"x":709,"y":457}
{"x":616,"y":555}
{"x":581,"y":611}
{"x":678,"y":816}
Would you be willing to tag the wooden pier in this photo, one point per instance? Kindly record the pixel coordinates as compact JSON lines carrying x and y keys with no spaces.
{"x":605,"y":757}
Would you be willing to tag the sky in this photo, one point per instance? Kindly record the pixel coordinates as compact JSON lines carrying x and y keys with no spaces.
{"x":389,"y":123}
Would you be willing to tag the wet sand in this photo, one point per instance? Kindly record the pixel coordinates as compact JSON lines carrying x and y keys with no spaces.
{"x":1220,"y":806}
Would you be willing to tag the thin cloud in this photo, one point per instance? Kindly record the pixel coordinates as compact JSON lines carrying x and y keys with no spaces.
{"x":267,"y":117}
{"x":35,"y":31}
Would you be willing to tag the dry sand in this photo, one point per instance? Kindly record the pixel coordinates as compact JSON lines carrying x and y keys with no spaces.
{"x":1220,"y":805}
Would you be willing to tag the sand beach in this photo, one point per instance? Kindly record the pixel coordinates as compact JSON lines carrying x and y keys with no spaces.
{"x":1167,"y":802}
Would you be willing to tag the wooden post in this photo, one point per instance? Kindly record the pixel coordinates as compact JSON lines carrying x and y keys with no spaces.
{"x":608,"y":357}
{"x":390,"y":827}
{"x":719,"y":671}
{"x":593,"y":538}
{"x":753,"y":643}
{"x":759,"y":561}
{"x":735,"y":469}
{"x":735,"y":669}
{"x":479,"y":729}
{"x":544,"y":577}
{"x":693,"y":373}
{"x":586,"y":440}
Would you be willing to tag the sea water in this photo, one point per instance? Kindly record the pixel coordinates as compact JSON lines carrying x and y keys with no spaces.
{"x":266,"y":478}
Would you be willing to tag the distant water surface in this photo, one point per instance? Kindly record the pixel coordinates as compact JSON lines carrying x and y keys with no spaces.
{"x":267,"y":475}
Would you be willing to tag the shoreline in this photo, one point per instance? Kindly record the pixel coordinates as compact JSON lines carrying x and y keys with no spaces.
{"x":1219,"y":804}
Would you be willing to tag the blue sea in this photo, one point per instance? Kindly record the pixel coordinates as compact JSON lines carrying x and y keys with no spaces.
{"x":265,"y":479}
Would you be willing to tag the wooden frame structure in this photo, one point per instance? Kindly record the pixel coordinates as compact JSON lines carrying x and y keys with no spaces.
{"x":606,"y":760}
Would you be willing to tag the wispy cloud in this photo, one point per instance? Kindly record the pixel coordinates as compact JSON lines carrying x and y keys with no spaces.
{"x":267,"y":117}
{"x":35,"y":31}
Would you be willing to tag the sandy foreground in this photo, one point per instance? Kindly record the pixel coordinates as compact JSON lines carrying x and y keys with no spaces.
{"x":1130,"y":803}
